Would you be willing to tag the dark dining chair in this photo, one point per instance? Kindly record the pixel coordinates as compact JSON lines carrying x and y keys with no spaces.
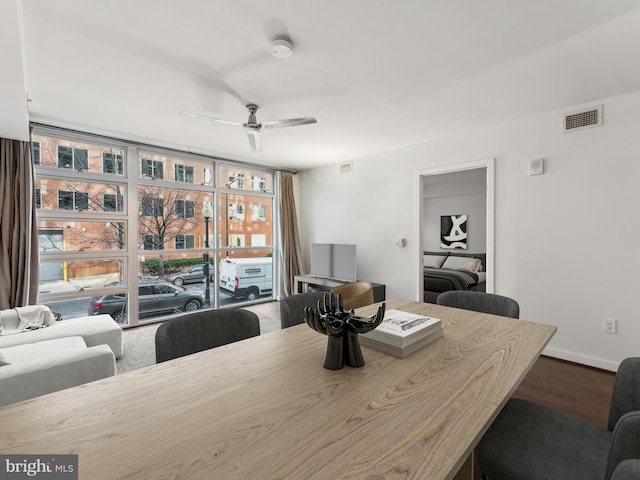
{"x":292,"y":307}
{"x":531,"y":442}
{"x":194,"y":332}
{"x":480,"y":302}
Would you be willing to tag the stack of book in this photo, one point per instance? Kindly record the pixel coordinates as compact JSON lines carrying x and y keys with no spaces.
{"x":402,"y":333}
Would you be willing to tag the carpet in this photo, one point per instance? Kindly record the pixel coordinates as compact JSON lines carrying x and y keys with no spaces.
{"x":140,"y":349}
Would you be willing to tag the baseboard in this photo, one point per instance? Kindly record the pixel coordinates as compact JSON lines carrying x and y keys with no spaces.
{"x":582,"y":359}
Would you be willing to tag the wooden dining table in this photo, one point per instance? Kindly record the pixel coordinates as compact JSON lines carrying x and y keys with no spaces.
{"x":265,"y":408}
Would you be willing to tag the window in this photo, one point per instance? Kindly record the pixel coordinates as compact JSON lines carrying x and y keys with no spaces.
{"x":236,"y":240}
{"x":73,"y":158}
{"x":111,"y":202}
{"x":185,"y":209}
{"x":152,"y":242}
{"x":152,"y":206}
{"x":38,"y":198}
{"x":258,"y":184}
{"x":184,"y":173}
{"x":152,"y":168}
{"x":236,"y":211}
{"x":236,"y":180}
{"x":73,"y":200}
{"x":35,"y":152}
{"x":112,"y":163}
{"x":258,"y":213}
{"x":185,"y":241}
{"x":207,"y":179}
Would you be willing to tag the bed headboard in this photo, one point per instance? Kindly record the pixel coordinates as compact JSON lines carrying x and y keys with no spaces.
{"x":480,"y":256}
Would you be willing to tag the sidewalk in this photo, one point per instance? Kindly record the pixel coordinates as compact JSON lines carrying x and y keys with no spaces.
{"x":78,"y":284}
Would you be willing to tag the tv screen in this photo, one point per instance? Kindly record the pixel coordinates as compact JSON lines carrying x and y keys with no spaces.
{"x":332,"y":260}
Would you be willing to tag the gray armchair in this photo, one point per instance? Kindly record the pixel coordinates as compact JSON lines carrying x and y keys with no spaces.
{"x":480,"y":302}
{"x":197,"y":331}
{"x":292,"y":307}
{"x":529,"y":441}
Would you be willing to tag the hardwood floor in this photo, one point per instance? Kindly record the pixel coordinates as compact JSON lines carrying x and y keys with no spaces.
{"x":574,"y":389}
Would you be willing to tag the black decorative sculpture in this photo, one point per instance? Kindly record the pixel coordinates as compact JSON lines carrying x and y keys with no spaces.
{"x":342,"y":328}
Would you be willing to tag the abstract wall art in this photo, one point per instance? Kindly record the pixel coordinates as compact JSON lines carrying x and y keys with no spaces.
{"x":453,"y":231}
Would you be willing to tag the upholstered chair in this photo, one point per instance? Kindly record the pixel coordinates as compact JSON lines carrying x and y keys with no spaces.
{"x":480,"y":302}
{"x":528,"y":441}
{"x":193,"y":332}
{"x":292,"y":307}
{"x":355,"y":294}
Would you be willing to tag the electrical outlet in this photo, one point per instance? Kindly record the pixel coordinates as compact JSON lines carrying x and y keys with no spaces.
{"x":609,"y":325}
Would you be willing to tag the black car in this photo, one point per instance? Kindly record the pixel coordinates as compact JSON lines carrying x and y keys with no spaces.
{"x":157,"y":298}
{"x":193,"y":274}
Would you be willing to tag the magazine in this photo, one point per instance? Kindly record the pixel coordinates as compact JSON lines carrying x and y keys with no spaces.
{"x":403,"y":328}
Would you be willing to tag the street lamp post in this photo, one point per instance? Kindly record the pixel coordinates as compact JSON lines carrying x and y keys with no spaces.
{"x":207,"y":213}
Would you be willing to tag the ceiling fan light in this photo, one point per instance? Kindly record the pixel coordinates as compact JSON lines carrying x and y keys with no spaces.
{"x":281,"y":47}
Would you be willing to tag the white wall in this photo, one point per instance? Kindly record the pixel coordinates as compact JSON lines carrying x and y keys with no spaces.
{"x":564,"y":241}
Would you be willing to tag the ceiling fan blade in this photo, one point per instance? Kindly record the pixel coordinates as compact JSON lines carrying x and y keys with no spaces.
{"x":254,"y":141}
{"x":210,"y":118}
{"x":291,"y":122}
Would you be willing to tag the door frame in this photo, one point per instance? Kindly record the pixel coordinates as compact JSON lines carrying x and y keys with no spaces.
{"x":489,"y":165}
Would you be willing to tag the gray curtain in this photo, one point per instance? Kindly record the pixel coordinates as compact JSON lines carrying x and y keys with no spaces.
{"x":18,"y":229}
{"x":291,"y":257}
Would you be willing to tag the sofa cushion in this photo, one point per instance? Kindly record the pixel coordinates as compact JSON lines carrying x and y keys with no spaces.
{"x":3,"y":361}
{"x":29,"y":351}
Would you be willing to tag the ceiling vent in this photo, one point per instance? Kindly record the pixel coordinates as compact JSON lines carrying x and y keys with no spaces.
{"x":346,"y":168}
{"x":581,"y":119}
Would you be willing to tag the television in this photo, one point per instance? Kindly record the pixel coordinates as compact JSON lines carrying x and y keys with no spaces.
{"x":332,"y":260}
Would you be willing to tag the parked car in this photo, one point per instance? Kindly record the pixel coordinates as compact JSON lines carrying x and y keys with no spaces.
{"x":191,"y":275}
{"x":246,"y":278}
{"x":154,"y":298}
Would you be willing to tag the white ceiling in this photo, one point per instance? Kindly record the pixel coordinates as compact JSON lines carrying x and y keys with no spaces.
{"x":377,"y":75}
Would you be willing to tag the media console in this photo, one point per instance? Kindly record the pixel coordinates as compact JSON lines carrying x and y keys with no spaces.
{"x":305,"y":282}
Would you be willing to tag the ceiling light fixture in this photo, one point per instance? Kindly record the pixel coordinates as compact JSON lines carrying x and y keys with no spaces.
{"x":281,"y":47}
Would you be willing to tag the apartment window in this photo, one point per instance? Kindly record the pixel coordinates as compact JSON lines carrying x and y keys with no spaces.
{"x":152,"y":206}
{"x":38,"y":198}
{"x":236,"y":211}
{"x":258,"y":184}
{"x":68,"y":200}
{"x":185,"y":208}
{"x":236,"y":180}
{"x":185,"y":241}
{"x":111,"y":202}
{"x":73,"y":158}
{"x":207,"y":178}
{"x":35,"y":152}
{"x":152,"y":242}
{"x":112,"y":163}
{"x":152,"y":168}
{"x":184,"y":173}
{"x":258,"y":213}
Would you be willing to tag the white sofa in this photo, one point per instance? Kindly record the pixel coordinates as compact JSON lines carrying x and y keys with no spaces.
{"x":33,"y":369}
{"x":95,"y":330}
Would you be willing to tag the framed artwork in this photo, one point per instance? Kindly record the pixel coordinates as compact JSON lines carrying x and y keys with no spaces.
{"x":453,"y":231}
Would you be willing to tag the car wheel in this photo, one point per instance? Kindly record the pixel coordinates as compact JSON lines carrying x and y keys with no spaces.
{"x":192,"y":305}
{"x":179,"y":281}
{"x":120,"y":318}
{"x":252,"y":294}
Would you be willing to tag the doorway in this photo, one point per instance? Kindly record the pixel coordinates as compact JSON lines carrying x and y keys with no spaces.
{"x":457,"y":180}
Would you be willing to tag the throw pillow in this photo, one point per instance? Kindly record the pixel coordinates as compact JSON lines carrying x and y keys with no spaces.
{"x":434,"y":261}
{"x":462,"y":263}
{"x":3,"y":361}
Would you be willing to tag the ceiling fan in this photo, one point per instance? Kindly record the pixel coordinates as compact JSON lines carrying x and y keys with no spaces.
{"x":252,"y":127}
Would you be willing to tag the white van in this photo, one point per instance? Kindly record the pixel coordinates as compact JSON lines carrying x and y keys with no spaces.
{"x":246,"y":277}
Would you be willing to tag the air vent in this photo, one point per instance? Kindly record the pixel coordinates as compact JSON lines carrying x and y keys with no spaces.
{"x":346,"y":168}
{"x":587,"y":118}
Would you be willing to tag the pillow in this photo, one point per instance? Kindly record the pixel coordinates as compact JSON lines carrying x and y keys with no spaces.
{"x":462,"y":263}
{"x":434,"y":261}
{"x":3,"y":361}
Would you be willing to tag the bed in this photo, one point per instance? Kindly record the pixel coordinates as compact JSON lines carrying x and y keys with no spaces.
{"x":444,"y":271}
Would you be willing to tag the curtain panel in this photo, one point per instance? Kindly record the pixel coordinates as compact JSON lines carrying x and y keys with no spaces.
{"x":18,"y":228}
{"x":290,"y":251}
